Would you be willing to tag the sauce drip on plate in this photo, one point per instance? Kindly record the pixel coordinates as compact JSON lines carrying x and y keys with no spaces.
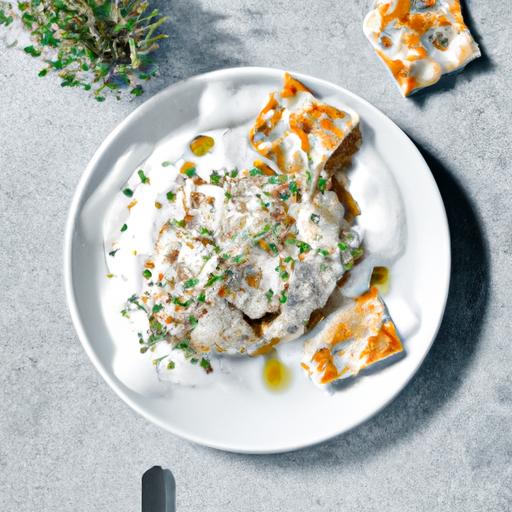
{"x":276,"y":375}
{"x":380,"y":279}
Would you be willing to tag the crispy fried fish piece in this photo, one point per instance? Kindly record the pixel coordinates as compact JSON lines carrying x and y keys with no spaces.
{"x":355,"y":337}
{"x":420,"y":40}
{"x":301,"y":134}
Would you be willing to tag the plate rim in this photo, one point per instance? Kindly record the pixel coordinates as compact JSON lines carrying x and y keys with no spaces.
{"x":74,"y":209}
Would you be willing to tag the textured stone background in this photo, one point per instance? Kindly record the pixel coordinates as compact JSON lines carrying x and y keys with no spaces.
{"x":68,"y":443}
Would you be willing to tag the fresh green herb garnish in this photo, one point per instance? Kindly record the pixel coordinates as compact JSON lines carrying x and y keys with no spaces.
{"x":183,"y":304}
{"x":190,"y":172}
{"x":323,"y":252}
{"x":134,"y":300}
{"x":238,"y":259}
{"x":228,"y":195}
{"x":171,"y":196}
{"x":190,"y":283}
{"x":293,"y":187}
{"x":303,"y":247}
{"x":95,"y":44}
{"x":193,"y":321}
{"x":273,"y":248}
{"x":201,"y":297}
{"x":277,"y":180}
{"x":269,"y":294}
{"x":234,"y":173}
{"x":124,"y":227}
{"x":213,"y":279}
{"x":113,"y":253}
{"x":180,"y":223}
{"x":157,"y":308}
{"x":322,"y":184}
{"x":342,"y":246}
{"x":283,"y":297}
{"x":206,"y":365}
{"x":147,"y":273}
{"x":265,"y":229}
{"x":205,"y":232}
{"x":143,"y":178}
{"x":255,"y":172}
{"x":309,"y":178}
{"x":357,"y":253}
{"x":171,"y":365}
{"x":166,"y":163}
{"x":128,"y":192}
{"x":215,"y":178}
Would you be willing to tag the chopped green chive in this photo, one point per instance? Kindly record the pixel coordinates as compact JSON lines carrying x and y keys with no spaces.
{"x":166,"y":163}
{"x":234,"y":173}
{"x":273,"y":248}
{"x":124,"y":227}
{"x":283,"y":297}
{"x":190,"y":283}
{"x":215,"y":178}
{"x":157,"y":308}
{"x":128,"y":192}
{"x":190,"y":172}
{"x":293,"y":187}
{"x":342,"y":246}
{"x":193,"y":321}
{"x":228,"y":195}
{"x":323,"y":252}
{"x":171,"y":365}
{"x":142,"y":176}
{"x":315,"y":218}
{"x":213,"y":279}
{"x":147,"y":273}
{"x":309,"y":178}
{"x":201,"y":297}
{"x":113,"y":253}
{"x":31,"y":50}
{"x":205,"y":232}
{"x":322,"y":183}
{"x":171,"y":196}
{"x":357,"y":253}
{"x":184,"y":304}
{"x":303,"y":247}
{"x":206,"y":365}
{"x":277,"y":180}
{"x":269,"y":294}
{"x":255,"y":171}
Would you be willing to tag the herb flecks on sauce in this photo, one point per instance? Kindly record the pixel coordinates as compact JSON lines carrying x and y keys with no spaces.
{"x":202,"y":262}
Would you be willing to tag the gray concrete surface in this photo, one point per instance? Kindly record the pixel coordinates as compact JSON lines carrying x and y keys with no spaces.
{"x":68,"y":443}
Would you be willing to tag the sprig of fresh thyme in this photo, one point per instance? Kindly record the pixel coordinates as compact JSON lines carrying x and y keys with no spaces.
{"x":98,"y":45}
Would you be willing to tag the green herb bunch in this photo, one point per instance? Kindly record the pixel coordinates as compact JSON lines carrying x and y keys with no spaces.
{"x":99,"y":45}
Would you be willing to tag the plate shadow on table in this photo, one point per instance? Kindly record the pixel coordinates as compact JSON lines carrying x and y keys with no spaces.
{"x":449,"y":359}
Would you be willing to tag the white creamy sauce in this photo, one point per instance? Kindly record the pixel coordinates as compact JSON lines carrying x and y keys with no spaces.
{"x":225,"y":115}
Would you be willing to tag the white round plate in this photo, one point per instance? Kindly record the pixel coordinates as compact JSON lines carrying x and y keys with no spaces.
{"x":248,"y":418}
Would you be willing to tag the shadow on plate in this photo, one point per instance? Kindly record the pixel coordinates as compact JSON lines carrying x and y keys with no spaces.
{"x":444,"y":368}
